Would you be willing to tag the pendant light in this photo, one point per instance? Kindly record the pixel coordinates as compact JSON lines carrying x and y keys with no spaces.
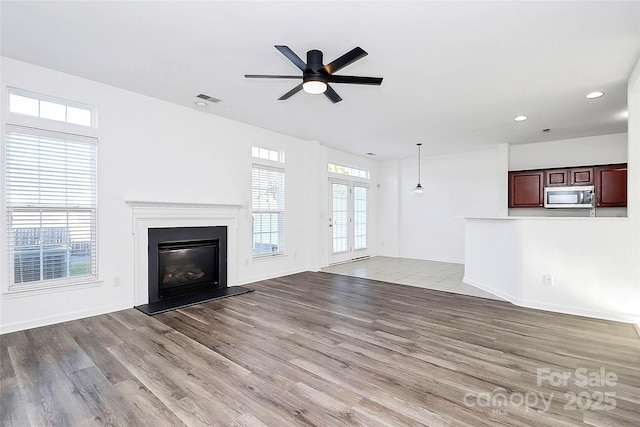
{"x":418,"y":190}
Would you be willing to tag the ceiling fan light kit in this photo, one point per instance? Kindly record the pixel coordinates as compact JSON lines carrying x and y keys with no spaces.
{"x":316,"y":76}
{"x":314,"y":86}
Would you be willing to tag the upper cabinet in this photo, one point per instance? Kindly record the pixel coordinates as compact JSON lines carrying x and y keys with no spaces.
{"x":571,"y":176}
{"x":556,"y":177}
{"x":611,"y":186}
{"x":581,"y":176}
{"x":526,"y":189}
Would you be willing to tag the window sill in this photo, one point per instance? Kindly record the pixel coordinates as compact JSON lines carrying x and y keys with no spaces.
{"x":268,"y":256}
{"x":48,"y":289}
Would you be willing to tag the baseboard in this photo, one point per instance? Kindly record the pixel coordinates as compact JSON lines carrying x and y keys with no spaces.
{"x":51,"y":320}
{"x":576,"y":311}
{"x":489,"y":289}
{"x":80,"y":314}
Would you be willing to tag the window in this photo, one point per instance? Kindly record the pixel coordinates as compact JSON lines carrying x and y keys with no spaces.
{"x":51,"y":207}
{"x":346,"y":170}
{"x":30,"y":104}
{"x":267,"y":201}
{"x":267,"y":154}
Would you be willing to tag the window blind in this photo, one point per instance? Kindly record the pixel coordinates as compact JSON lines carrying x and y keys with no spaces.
{"x":267,"y":194}
{"x":51,"y":202}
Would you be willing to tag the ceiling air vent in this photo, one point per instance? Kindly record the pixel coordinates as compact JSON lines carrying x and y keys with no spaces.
{"x":208,"y":98}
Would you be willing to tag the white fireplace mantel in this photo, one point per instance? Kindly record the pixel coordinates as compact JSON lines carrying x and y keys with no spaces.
{"x":148,"y":214}
{"x":137,"y":204}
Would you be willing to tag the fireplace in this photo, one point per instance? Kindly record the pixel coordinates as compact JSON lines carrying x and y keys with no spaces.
{"x":187,"y":265}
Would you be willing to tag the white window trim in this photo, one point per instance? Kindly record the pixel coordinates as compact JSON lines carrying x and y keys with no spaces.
{"x":277,"y":163}
{"x":349,"y":177}
{"x":54,"y":99}
{"x":54,"y":285}
{"x":356,"y":182}
{"x":260,"y":163}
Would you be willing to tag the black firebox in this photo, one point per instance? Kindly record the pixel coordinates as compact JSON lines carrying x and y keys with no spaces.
{"x":187,"y":265}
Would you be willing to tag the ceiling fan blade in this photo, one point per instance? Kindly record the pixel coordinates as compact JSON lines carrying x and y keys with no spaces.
{"x":356,"y":80}
{"x":346,"y":59}
{"x":291,"y":92}
{"x":332,"y":95}
{"x":292,"y":57}
{"x":270,"y":76}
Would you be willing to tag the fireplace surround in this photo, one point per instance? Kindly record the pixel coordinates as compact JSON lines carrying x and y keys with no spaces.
{"x":173,"y":230}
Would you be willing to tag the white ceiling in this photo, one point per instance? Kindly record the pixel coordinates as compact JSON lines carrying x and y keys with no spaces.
{"x":455,"y":73}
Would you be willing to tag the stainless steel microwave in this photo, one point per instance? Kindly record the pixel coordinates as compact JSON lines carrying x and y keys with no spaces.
{"x":569,"y":197}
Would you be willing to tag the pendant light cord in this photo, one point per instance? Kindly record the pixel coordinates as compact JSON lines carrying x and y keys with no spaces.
{"x":419,"y":173}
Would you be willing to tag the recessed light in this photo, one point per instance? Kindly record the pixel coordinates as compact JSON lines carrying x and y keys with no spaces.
{"x":201,"y":103}
{"x":520,"y":118}
{"x":594,"y":95}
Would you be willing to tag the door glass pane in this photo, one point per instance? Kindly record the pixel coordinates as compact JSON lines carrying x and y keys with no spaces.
{"x":359,"y":217}
{"x":340,"y":218}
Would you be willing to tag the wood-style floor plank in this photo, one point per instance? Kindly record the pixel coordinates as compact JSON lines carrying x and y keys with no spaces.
{"x":317,"y":349}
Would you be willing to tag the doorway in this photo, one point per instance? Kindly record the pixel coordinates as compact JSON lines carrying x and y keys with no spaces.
{"x":348,"y":220}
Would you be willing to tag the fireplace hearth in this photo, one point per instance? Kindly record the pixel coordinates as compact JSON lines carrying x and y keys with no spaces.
{"x":187,"y":265}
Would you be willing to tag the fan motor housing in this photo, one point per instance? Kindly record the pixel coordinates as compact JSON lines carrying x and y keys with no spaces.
{"x":314,"y":60}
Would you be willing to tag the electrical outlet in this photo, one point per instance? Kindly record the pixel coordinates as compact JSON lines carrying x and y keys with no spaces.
{"x":547,"y":280}
{"x":117,"y":281}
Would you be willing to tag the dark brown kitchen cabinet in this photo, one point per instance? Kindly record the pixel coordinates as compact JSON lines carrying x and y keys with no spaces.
{"x":581,"y":176}
{"x":526,"y":189}
{"x":556,"y":177}
{"x":611,"y":186}
{"x":565,"y":177}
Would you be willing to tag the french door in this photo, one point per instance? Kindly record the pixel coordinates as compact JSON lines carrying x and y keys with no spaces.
{"x":348,"y":220}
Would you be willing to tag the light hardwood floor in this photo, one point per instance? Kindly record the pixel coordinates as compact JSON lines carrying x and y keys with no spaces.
{"x":324,"y":350}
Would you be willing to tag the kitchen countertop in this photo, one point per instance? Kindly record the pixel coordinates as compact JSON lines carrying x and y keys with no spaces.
{"x":555,"y":218}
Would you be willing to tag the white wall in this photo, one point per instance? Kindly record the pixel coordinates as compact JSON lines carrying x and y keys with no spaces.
{"x":459,"y":185}
{"x":592,"y":150}
{"x":150,"y":150}
{"x":633,"y":126}
{"x":594,"y":272}
{"x":389,"y":208}
{"x":592,"y":262}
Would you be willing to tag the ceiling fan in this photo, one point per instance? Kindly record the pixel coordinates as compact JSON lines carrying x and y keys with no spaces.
{"x":316,"y":76}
